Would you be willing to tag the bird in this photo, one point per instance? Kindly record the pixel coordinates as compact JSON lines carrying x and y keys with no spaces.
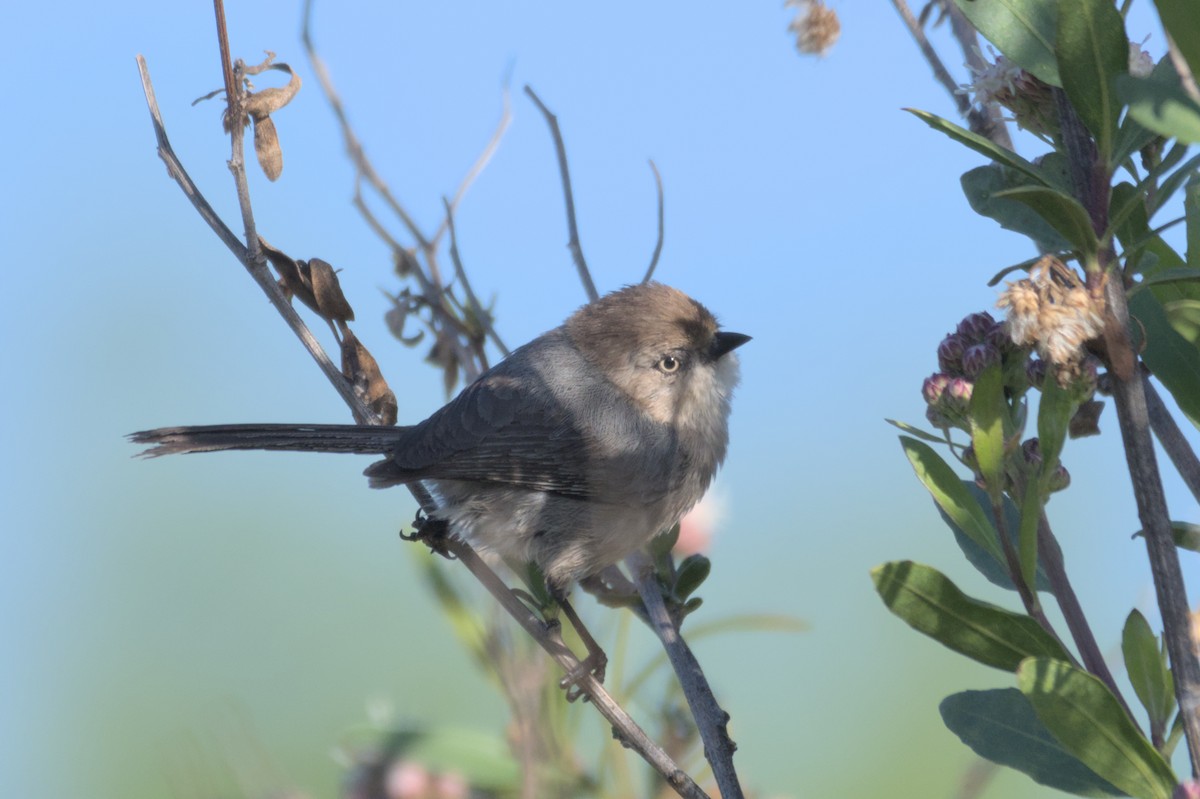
{"x":570,"y":454}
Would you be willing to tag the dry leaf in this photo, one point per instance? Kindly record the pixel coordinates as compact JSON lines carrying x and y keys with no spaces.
{"x":331,"y":302}
{"x":362,"y":370}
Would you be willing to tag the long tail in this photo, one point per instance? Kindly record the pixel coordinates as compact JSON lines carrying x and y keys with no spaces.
{"x":359,"y":439}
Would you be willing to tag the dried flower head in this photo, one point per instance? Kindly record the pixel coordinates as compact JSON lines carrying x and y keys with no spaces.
{"x":816,"y":26}
{"x":1003,"y":83}
{"x":1141,"y":64}
{"x":1053,"y":311}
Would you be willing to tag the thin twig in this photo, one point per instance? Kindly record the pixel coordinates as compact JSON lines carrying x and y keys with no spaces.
{"x":658,"y":245}
{"x":483,"y":317}
{"x":354,"y":148}
{"x":480,"y":163}
{"x":1081,"y":632}
{"x":257,"y":270}
{"x":1171,"y":437}
{"x":585,"y":276}
{"x":711,"y":721}
{"x":940,"y":72}
{"x":1134,"y":420}
{"x":624,"y":726}
{"x":987,"y":120}
{"x":235,"y":119}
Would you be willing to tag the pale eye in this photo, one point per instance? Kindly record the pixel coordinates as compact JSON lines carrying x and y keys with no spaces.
{"x":668,"y":364}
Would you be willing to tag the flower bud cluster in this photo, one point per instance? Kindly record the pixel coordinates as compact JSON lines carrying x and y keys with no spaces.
{"x":979,"y":341}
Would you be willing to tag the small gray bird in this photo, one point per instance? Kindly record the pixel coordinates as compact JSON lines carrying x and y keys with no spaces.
{"x":571,"y":453}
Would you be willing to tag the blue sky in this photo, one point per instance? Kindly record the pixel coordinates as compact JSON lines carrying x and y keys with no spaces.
{"x":148,"y":604}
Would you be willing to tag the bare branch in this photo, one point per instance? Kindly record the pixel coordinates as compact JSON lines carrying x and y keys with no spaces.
{"x":624,"y":726}
{"x":940,"y":72}
{"x":585,"y":276}
{"x":235,"y":122}
{"x":710,"y":719}
{"x":480,"y":163}
{"x":484,"y":318}
{"x":257,"y":269}
{"x":354,"y":148}
{"x":1172,"y":440}
{"x":658,"y":245}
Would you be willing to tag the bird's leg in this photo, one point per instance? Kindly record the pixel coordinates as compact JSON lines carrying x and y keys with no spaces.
{"x":595,"y":662}
{"x":431,"y":532}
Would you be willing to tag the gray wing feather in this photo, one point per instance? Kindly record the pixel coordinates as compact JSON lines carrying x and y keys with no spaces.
{"x":503,"y":429}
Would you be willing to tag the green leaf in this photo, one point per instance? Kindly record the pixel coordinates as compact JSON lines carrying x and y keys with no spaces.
{"x":1179,"y":274}
{"x":916,"y":432}
{"x":1092,"y":50}
{"x":1055,"y":410}
{"x":993,"y":567}
{"x":1062,"y":211}
{"x":982,"y":145}
{"x":1024,"y":30}
{"x":1191,"y":212}
{"x":1184,"y":316}
{"x":1147,"y":670}
{"x":693,"y":571}
{"x":1179,"y":20}
{"x":988,"y":412}
{"x":1027,"y":538}
{"x":1090,"y":723}
{"x":1171,"y":358}
{"x":950,"y":495}
{"x":931,"y":604}
{"x":1161,"y":106}
{"x":1187,"y":536}
{"x":981,"y":184}
{"x":1000,"y":726}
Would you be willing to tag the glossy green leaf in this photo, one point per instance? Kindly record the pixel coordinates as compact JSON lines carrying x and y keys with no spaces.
{"x":981,"y":184}
{"x":1084,"y":716}
{"x":1147,"y":670}
{"x":950,"y":495}
{"x":931,"y":604}
{"x":1171,"y":358}
{"x":983,"y":146}
{"x":1062,"y":211}
{"x":1027,"y":537}
{"x":693,"y":571}
{"x":992,"y":566}
{"x":1000,"y":726}
{"x":1161,"y":106}
{"x":989,"y":411}
{"x":1024,"y":30}
{"x":1055,"y":410}
{"x":1092,"y":50}
{"x":1179,"y":19}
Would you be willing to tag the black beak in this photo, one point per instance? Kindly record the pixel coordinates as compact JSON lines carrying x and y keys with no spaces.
{"x":724,"y":343}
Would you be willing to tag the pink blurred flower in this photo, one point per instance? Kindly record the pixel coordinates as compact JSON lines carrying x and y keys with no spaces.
{"x":697,"y":526}
{"x":451,"y":785}
{"x":407,"y":780}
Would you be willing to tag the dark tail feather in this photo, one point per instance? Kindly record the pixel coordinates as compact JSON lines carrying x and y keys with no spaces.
{"x":361,"y":439}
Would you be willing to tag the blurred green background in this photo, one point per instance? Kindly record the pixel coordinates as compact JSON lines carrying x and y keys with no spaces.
{"x":176,"y":627}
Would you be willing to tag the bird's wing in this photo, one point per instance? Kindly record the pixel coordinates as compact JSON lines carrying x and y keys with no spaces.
{"x":503,"y":429}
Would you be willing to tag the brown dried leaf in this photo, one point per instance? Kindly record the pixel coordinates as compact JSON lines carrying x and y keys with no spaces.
{"x":1086,"y":421}
{"x":444,"y":355}
{"x":267,"y":101}
{"x":266,"y":147}
{"x":331,"y":302}
{"x":362,"y":370}
{"x":292,"y":279}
